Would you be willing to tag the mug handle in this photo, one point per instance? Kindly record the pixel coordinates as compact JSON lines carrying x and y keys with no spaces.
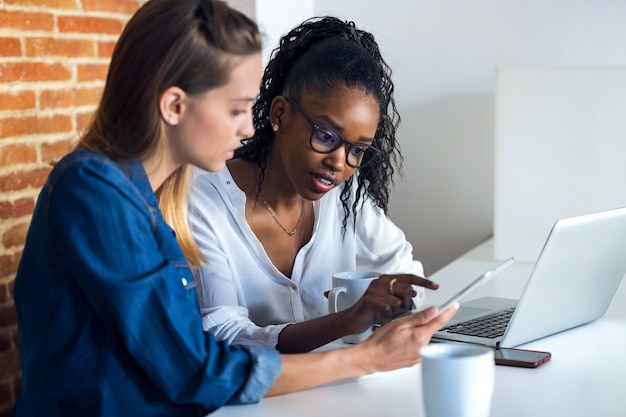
{"x":332,"y":298}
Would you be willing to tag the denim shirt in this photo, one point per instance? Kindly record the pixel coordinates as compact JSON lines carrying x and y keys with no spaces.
{"x":108,"y":316}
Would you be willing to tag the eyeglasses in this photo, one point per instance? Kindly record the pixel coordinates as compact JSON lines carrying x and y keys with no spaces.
{"x":326,"y":140}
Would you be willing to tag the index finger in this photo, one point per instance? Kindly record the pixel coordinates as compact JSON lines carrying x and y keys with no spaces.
{"x":417,"y":280}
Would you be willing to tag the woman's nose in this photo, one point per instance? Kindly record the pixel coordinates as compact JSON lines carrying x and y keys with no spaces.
{"x":247,"y":130}
{"x":336,"y":160}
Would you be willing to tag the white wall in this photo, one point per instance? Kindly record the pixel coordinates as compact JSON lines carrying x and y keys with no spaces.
{"x":277,"y":17}
{"x":274,"y":17}
{"x":564,"y":130}
{"x":444,"y":55}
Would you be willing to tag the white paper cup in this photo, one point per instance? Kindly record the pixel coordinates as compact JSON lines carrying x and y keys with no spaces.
{"x":348,"y":287}
{"x":457,"y":380}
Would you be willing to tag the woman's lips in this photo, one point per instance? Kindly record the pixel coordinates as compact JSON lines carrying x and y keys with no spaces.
{"x":323,"y":183}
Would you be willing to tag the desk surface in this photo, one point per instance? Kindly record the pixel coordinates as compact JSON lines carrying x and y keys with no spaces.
{"x":583,"y":378}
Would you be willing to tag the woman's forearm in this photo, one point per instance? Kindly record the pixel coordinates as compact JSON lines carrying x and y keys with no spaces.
{"x":302,"y":371}
{"x":311,"y":334}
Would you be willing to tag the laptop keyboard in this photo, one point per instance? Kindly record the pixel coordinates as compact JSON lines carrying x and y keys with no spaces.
{"x":490,"y":326}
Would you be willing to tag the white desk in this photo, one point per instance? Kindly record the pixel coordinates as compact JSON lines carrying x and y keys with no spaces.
{"x":585,"y":376}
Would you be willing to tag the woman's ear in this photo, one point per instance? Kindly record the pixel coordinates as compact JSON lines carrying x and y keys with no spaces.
{"x":172,"y":105}
{"x":277,"y":111}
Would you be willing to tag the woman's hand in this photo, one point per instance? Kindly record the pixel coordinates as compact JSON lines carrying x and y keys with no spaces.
{"x":397,"y":344}
{"x":387,"y":297}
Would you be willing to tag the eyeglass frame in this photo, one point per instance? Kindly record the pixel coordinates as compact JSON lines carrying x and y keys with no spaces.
{"x":343,"y":142}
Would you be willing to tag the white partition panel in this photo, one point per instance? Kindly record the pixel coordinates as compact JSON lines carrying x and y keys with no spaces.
{"x":560,"y":139}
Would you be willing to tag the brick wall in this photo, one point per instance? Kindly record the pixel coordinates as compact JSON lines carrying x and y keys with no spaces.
{"x":54,"y":56}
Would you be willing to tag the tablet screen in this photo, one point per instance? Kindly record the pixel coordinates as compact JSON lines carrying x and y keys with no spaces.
{"x":485,"y":277}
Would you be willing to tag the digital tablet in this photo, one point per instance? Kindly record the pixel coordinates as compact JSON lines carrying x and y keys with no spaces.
{"x":484,"y":278}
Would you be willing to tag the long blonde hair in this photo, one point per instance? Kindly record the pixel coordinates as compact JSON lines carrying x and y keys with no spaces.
{"x":173,"y":197}
{"x":191,"y":44}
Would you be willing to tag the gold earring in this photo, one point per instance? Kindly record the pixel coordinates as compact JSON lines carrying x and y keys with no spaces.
{"x":275,"y":128}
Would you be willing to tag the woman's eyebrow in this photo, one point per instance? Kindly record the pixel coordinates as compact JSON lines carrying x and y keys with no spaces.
{"x":335,"y":126}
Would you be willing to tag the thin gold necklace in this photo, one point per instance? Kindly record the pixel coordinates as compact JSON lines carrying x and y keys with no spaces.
{"x":271,"y":212}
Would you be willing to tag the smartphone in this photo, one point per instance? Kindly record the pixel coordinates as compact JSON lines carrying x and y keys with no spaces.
{"x":475,"y":284}
{"x":521,"y":357}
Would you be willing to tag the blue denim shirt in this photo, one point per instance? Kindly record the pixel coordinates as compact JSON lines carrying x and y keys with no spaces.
{"x":108,"y":317}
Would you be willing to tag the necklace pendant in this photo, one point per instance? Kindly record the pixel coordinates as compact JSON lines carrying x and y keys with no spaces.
{"x":269,"y":210}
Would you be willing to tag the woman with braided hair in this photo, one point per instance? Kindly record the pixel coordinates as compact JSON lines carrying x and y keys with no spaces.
{"x":306,"y":197}
{"x":108,"y":316}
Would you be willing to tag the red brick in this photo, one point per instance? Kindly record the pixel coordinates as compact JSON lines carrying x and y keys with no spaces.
{"x":88,"y":96}
{"x":29,"y":125}
{"x":8,"y":410}
{"x":10,"y":47}
{"x":4,"y":297}
{"x":53,"y":151}
{"x":17,"y":153}
{"x":26,"y":20}
{"x":10,"y":361}
{"x":56,"y":98}
{"x":14,"y":332}
{"x":6,"y":391}
{"x":83,"y":120}
{"x":120,"y":6}
{"x":8,"y":316}
{"x":18,"y":208}
{"x":15,"y":236}
{"x":53,"y":4}
{"x":6,"y":339}
{"x":81,"y":24}
{"x":59,"y":47}
{"x":8,"y":264}
{"x":22,"y":100}
{"x":24,"y":179}
{"x":105,"y":49}
{"x":92,"y":72}
{"x":13,"y":382}
{"x":33,"y":71}
{"x":69,"y":97}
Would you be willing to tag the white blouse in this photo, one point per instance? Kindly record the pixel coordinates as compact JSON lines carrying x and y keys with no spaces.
{"x":244,"y":299}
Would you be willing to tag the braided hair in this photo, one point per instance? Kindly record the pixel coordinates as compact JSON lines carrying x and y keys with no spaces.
{"x":320,"y":56}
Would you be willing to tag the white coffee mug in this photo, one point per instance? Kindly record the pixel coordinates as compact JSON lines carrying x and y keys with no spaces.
{"x":348,"y":287}
{"x":457,"y":380}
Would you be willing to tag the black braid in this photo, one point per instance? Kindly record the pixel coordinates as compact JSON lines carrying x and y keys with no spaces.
{"x":377,"y":178}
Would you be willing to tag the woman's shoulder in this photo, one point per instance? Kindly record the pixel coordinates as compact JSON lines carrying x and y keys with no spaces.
{"x":93,"y":172}
{"x":79,"y":165}
{"x":97,"y":162}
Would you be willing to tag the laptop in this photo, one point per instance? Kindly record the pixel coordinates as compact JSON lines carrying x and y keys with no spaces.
{"x":572,"y":283}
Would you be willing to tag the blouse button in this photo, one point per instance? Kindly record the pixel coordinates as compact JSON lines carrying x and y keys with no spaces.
{"x":184,"y":280}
